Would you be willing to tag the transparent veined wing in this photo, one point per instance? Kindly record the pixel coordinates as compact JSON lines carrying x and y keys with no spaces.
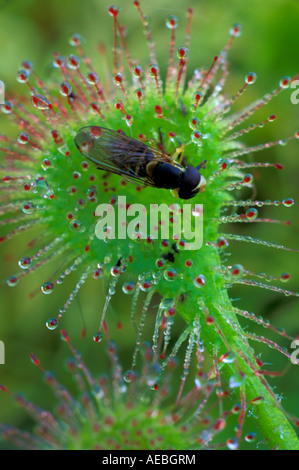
{"x":118,"y":153}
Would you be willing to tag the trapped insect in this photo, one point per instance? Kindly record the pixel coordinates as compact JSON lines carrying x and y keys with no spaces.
{"x":134,"y":160}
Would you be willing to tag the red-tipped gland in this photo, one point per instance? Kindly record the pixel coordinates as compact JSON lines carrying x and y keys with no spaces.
{"x":64,"y":335}
{"x":75,"y":40}
{"x":172,"y":22}
{"x":236,"y":30}
{"x":285,"y":276}
{"x":288,"y":202}
{"x":137,"y":71}
{"x":159,"y":111}
{"x":73,"y":62}
{"x":248,"y":179}
{"x":154,"y":70}
{"x":250,"y":78}
{"x":22,"y":76}
{"x":65,"y":89}
{"x":92,"y":78}
{"x":41,"y":102}
{"x":182,"y":52}
{"x":113,"y":11}
{"x":197,"y":96}
{"x":219,"y":425}
{"x":118,"y":78}
{"x":171,"y":311}
{"x":285,"y":82}
{"x":23,"y":138}
{"x":34,"y":359}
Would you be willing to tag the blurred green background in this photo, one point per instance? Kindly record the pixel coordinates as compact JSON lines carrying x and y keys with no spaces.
{"x":33,"y":30}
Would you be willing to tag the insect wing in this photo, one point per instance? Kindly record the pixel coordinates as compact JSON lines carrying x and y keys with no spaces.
{"x":116,"y":152}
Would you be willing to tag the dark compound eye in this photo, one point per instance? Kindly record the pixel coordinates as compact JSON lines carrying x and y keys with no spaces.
{"x":190,"y":183}
{"x":191,"y":178}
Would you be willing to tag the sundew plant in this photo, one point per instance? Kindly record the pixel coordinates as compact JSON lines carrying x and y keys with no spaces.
{"x":98,"y":139}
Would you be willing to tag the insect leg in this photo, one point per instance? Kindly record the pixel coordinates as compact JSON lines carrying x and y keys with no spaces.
{"x":201,"y":165}
{"x":178,"y":154}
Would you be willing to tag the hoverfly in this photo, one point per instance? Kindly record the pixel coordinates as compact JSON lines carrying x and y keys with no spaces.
{"x":132,"y":159}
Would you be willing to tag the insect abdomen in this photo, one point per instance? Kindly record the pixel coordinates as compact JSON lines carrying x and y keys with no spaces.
{"x":140,"y":168}
{"x":166,"y":175}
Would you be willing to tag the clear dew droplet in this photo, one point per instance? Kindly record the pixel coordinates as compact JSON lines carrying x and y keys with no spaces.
{"x":128,"y":287}
{"x":250,"y":437}
{"x":194,"y":123}
{"x":47,"y":287}
{"x":154,"y":70}
{"x":97,"y":273}
{"x":129,"y":376}
{"x":166,"y":303}
{"x":145,"y":284}
{"x":40,"y":102}
{"x":92,"y":78}
{"x":250,"y":78}
{"x":236,"y":380}
{"x":288,"y":202}
{"x":80,"y":204}
{"x":41,"y":187}
{"x":22,"y":76}
{"x":52,"y":323}
{"x":160,"y":263}
{"x":222,"y":242}
{"x":65,"y":89}
{"x":182,"y":52}
{"x":46,"y":163}
{"x":139,"y":93}
{"x":23,"y":138}
{"x":76,"y":226}
{"x":172,"y":22}
{"x":232,"y":444}
{"x":196,"y":138}
{"x":98,"y":337}
{"x":199,"y":281}
{"x":115,"y":271}
{"x":73,"y":62}
{"x":12,"y":281}
{"x":236,"y":30}
{"x":251,"y":213}
{"x":28,"y":207}
{"x":285,"y":82}
{"x":228,"y":358}
{"x":7,"y":108}
{"x":25,"y":262}
{"x":170,"y":274}
{"x":76,"y":40}
{"x":58,"y":61}
{"x":129,"y":120}
{"x":237,"y":270}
